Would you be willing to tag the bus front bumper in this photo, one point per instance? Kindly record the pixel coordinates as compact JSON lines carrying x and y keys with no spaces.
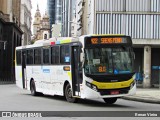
{"x":91,"y":93}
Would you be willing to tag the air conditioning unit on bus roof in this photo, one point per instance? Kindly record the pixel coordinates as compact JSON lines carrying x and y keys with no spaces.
{"x":58,"y":40}
{"x":45,"y":41}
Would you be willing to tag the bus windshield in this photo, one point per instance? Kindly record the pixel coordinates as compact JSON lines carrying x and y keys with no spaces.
{"x":108,"y":60}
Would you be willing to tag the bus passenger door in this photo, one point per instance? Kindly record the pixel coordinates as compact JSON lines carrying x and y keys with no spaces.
{"x":24,"y":80}
{"x":76,"y":72}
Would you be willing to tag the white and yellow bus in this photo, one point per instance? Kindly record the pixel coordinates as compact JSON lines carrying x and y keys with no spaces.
{"x":90,"y":66}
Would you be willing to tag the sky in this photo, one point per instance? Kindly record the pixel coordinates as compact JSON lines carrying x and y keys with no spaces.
{"x":42,"y":7}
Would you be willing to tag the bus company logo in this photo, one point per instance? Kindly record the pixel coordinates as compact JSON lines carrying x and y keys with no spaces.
{"x":6,"y":114}
{"x":114,"y":80}
{"x":46,"y":70}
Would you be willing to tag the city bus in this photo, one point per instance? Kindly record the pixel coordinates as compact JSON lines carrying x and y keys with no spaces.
{"x":85,"y":67}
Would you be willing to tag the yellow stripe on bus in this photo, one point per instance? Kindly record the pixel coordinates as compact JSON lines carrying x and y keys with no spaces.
{"x":65,"y":41}
{"x":20,"y":74}
{"x":114,"y":85}
{"x":69,"y":75}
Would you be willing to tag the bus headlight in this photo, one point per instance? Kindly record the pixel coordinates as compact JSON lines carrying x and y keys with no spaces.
{"x":134,"y":81}
{"x":134,"y":77}
{"x":88,"y":84}
{"x":132,"y":84}
{"x":93,"y":87}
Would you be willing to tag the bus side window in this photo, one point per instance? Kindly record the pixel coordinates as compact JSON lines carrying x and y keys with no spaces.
{"x":65,"y":54}
{"x":37,"y":56}
{"x":55,"y":55}
{"x":46,"y":56}
{"x":30,"y":56}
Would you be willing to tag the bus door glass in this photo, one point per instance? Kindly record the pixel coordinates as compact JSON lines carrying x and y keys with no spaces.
{"x":24,"y":76}
{"x":76,"y":71}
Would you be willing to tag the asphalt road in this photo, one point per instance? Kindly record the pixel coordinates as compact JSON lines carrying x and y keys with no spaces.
{"x":13,"y":98}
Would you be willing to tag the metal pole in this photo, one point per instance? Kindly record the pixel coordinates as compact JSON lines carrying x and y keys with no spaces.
{"x":111,"y":17}
{"x":4,"y":44}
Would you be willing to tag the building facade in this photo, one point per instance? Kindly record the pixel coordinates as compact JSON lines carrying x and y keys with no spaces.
{"x":10,"y":37}
{"x":54,"y":8}
{"x":58,"y":13}
{"x":68,"y":8}
{"x":56,"y":30}
{"x":15,"y":12}
{"x":138,"y":18}
{"x":51,"y":12}
{"x":41,"y":26}
{"x":26,"y":21}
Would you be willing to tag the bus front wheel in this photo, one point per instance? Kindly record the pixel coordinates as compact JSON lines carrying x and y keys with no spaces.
{"x":33,"y":88}
{"x":68,"y":94}
{"x":110,"y":100}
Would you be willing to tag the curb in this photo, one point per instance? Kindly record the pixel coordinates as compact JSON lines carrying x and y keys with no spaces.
{"x":142,"y":99}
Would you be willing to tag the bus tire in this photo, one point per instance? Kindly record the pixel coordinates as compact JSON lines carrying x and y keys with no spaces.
{"x":68,"y":94}
{"x":110,"y":100}
{"x":33,"y":89}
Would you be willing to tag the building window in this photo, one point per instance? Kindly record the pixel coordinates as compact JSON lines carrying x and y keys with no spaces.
{"x":45,"y":36}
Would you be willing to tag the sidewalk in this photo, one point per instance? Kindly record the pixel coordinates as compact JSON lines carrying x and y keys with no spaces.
{"x":151,"y":95}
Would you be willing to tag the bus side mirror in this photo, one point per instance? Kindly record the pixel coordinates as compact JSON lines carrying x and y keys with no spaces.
{"x":133,"y":55}
{"x":82,"y":57}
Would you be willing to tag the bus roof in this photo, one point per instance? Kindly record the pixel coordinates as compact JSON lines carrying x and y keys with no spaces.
{"x":51,"y":41}
{"x":62,"y":40}
{"x":105,"y":35}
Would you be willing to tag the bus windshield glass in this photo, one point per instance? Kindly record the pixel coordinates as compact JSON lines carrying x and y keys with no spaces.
{"x":108,"y":60}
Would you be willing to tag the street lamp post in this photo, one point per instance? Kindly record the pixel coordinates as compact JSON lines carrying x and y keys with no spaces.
{"x":111,"y":17}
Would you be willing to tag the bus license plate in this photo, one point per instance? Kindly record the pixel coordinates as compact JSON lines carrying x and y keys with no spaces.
{"x":114,"y":92}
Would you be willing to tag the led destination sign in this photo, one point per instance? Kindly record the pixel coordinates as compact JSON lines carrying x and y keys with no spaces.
{"x":107,"y":40}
